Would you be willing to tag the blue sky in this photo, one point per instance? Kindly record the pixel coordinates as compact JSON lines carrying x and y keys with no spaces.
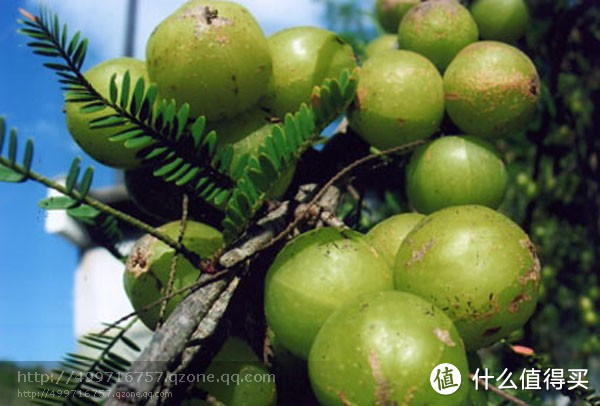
{"x":37,"y":269}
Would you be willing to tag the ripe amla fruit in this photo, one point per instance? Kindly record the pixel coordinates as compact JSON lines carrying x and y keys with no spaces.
{"x":399,"y":99}
{"x":437,"y":29}
{"x":390,"y":12}
{"x":148,"y":266}
{"x":454,"y":171}
{"x":476,"y":265}
{"x":492,"y":89}
{"x":242,"y":379}
{"x":387,"y":235}
{"x":303,"y":57}
{"x":313,"y":275}
{"x":211,"y":54}
{"x":381,"y":349}
{"x":385,"y":42}
{"x":501,"y":20}
{"x":95,"y":142}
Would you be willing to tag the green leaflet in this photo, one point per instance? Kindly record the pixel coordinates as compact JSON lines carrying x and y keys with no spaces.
{"x":284,"y":146}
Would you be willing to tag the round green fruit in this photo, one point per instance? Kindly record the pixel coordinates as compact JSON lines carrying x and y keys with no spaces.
{"x":303,"y":57}
{"x":492,"y":89}
{"x":242,"y":379}
{"x":476,"y":265}
{"x":390,"y":12}
{"x":437,"y":29}
{"x":454,"y":171}
{"x":501,"y":20}
{"x":382,"y":349}
{"x":385,"y":42}
{"x":95,"y":142}
{"x":387,"y":235}
{"x":313,"y":275}
{"x":211,"y":54}
{"x":399,"y":99}
{"x":148,"y":267}
{"x":246,"y":133}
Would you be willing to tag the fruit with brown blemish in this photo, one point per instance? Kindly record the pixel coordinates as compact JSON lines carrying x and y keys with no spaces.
{"x":437,"y":29}
{"x":381,"y":348}
{"x":492,"y":89}
{"x":383,"y":43}
{"x":148,"y":267}
{"x":453,"y":171}
{"x":211,"y":54}
{"x":501,"y":20}
{"x":390,"y":12}
{"x":475,"y":264}
{"x":315,"y":274}
{"x":399,"y":99}
{"x":96,"y":142}
{"x":303,"y":57}
{"x":388,"y":234}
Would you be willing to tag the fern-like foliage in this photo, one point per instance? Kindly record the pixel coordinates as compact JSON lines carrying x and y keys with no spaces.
{"x":10,"y":169}
{"x":103,"y":226}
{"x":282,"y":148}
{"x":181,"y":150}
{"x":86,"y":380}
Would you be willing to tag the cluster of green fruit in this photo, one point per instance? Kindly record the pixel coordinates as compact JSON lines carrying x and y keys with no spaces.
{"x":390,"y":306}
{"x":435,"y":64}
{"x":371,"y":315}
{"x":214,"y":56}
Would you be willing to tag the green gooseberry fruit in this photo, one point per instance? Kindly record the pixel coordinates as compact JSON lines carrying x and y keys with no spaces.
{"x":476,"y":265}
{"x":246,"y":133}
{"x":240,"y":379}
{"x":211,"y":54}
{"x":389,"y":13}
{"x":385,"y":42}
{"x":387,"y":235}
{"x":492,"y":89}
{"x":454,"y":171}
{"x":437,"y":29}
{"x":303,"y":57}
{"x":148,"y":267}
{"x":381,"y":349}
{"x":313,"y":275}
{"x":501,"y":20}
{"x":95,"y":142}
{"x":399,"y":99}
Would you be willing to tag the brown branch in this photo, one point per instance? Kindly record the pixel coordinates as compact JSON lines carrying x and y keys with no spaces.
{"x":494,"y":389}
{"x":167,"y":344}
{"x":169,"y":289}
{"x":204,"y":280}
